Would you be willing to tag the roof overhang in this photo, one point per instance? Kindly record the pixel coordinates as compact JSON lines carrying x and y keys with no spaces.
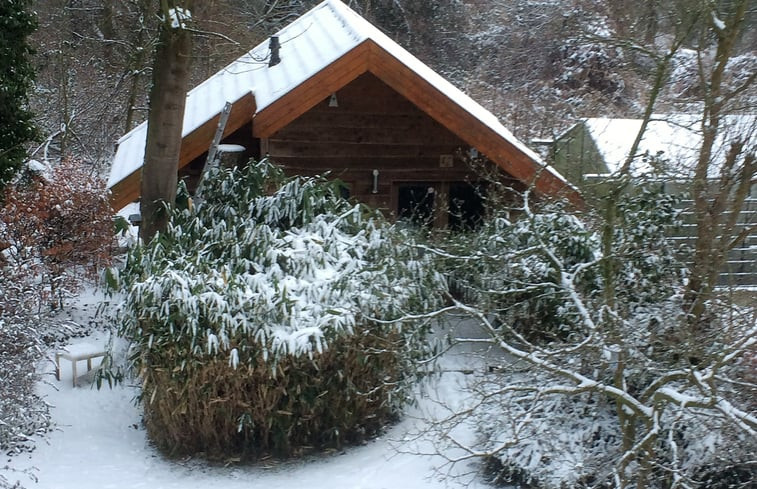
{"x":370,"y":57}
{"x":193,"y":145}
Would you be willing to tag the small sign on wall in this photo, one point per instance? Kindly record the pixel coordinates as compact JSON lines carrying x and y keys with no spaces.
{"x":446,"y":161}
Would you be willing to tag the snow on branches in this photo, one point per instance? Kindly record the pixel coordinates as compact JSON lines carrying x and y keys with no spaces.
{"x":179,"y":17}
{"x":23,"y":412}
{"x":592,"y":390}
{"x":54,"y":229}
{"x":273,"y":274}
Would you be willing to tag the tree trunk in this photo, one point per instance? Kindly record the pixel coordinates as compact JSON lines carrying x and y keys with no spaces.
{"x":716,"y":210}
{"x":164,"y":127}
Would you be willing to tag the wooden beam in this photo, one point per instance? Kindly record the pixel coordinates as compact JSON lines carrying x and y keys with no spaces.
{"x":198,"y":141}
{"x":193,"y":145}
{"x":126,"y":191}
{"x":345,"y":150}
{"x":369,"y":119}
{"x":385,"y":134}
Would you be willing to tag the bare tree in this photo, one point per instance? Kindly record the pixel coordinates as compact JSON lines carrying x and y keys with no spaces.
{"x":92,"y":61}
{"x":598,"y":383}
{"x":722,"y":176}
{"x":586,"y":393}
{"x":724,"y":168}
{"x":171,"y":75}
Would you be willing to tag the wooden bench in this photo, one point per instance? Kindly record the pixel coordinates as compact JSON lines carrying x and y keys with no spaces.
{"x":76,"y":353}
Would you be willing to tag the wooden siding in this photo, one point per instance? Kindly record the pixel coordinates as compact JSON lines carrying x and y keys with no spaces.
{"x":389,"y":118}
{"x":311,"y":92}
{"x":373,"y":128}
{"x":459,"y":121}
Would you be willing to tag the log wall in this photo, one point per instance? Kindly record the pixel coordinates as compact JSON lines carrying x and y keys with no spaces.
{"x":372,"y":127}
{"x":363,"y":127}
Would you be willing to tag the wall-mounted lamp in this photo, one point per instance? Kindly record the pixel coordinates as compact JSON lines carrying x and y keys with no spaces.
{"x":375,"y":181}
{"x":333,"y":101}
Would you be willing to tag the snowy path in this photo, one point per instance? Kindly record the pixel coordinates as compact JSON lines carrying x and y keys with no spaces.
{"x":99,"y":443}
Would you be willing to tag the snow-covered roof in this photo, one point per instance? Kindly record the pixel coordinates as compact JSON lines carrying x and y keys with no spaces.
{"x":308,"y":45}
{"x":676,"y":139}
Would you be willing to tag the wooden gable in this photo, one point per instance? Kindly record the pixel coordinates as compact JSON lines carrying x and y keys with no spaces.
{"x":395,"y":71}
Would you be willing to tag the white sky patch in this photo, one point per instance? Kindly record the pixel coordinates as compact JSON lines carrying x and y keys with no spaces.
{"x":179,"y":17}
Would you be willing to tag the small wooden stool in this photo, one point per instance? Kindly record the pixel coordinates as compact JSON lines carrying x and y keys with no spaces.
{"x":75,"y":353}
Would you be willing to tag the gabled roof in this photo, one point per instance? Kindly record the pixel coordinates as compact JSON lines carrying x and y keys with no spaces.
{"x":673,"y":138}
{"x":321,"y":52}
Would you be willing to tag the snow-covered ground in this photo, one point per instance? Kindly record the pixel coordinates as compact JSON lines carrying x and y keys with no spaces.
{"x":99,"y":443}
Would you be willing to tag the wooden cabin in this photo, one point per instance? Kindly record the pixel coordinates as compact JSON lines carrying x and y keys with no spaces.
{"x":342,"y":97}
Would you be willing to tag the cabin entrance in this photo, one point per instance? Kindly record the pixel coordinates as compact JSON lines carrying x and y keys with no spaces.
{"x":455,"y":205}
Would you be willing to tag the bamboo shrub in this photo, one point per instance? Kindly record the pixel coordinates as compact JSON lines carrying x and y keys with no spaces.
{"x":268,"y":319}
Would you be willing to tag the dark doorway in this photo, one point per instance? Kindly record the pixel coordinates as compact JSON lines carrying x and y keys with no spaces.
{"x":415,"y":203}
{"x":466,"y":206}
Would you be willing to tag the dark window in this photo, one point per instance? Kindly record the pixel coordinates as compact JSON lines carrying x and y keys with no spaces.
{"x":345,"y":190}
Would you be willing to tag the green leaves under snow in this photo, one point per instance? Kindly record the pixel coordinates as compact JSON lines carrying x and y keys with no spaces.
{"x":249,"y":273}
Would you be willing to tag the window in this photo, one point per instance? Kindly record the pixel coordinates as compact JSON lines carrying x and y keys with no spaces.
{"x":458,"y":205}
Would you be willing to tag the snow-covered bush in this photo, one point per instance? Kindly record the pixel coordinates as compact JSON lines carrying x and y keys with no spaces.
{"x":590,"y":66}
{"x":617,"y":390}
{"x":262,"y":320}
{"x":535,"y":304}
{"x":23,"y":413}
{"x":55,"y":229}
{"x":55,"y":226}
{"x":506,"y":257}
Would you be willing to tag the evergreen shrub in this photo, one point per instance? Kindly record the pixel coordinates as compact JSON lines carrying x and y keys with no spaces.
{"x":23,"y":413}
{"x":267,"y":318}
{"x":506,"y":255}
{"x":17,"y":22}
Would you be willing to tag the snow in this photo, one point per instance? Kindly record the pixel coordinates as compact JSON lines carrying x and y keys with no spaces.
{"x":230,"y":148}
{"x":179,"y":17}
{"x":308,"y":45}
{"x":83,"y":349}
{"x":100,"y":443}
{"x":675,"y":138}
{"x":37,"y":167}
{"x":130,"y":235}
{"x":719,"y":24}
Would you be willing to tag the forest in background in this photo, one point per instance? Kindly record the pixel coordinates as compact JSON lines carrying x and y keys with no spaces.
{"x":538,"y":65}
